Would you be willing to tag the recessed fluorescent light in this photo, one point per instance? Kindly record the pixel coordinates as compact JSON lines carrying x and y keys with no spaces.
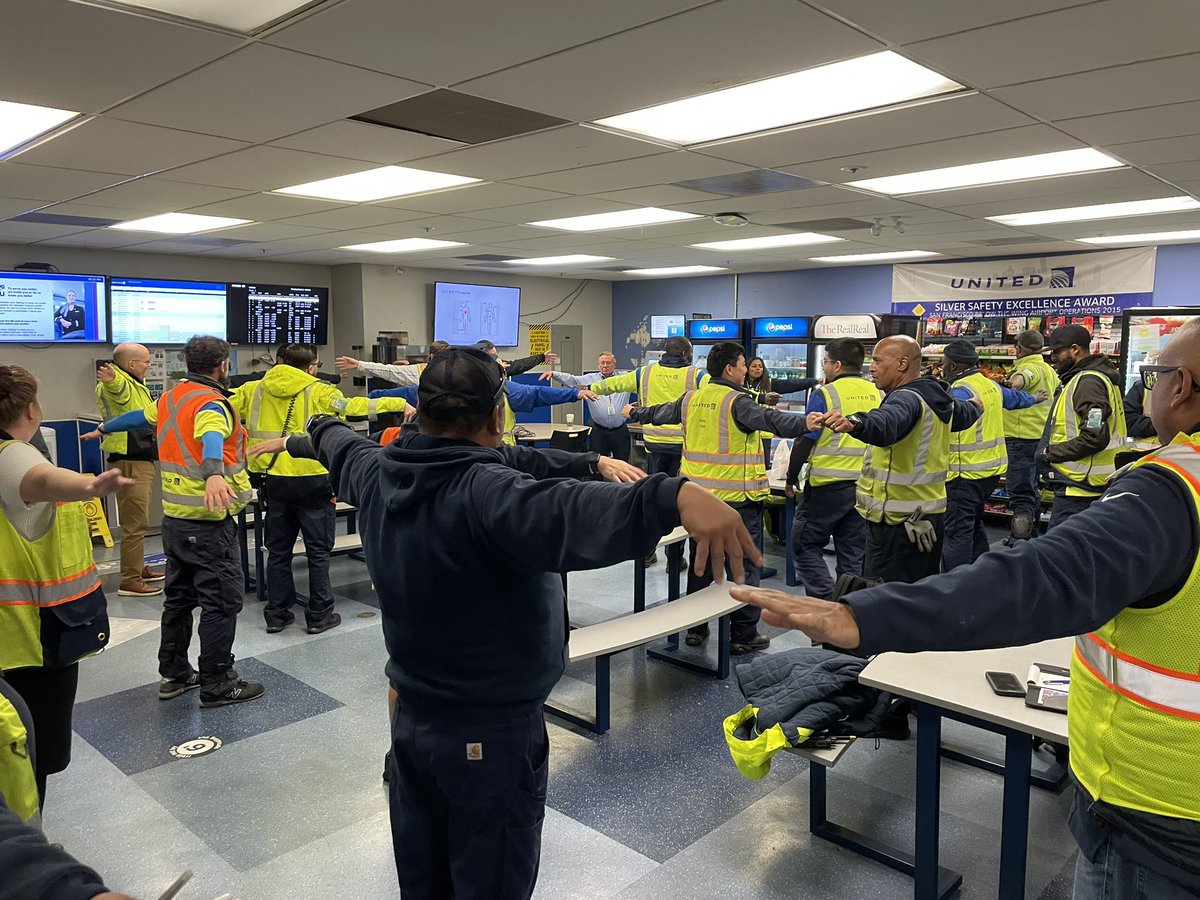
{"x":179,"y":223}
{"x":21,"y":123}
{"x":377,"y":184}
{"x":771,"y":241}
{"x":404,"y":245}
{"x":875,"y":257}
{"x":998,"y":171}
{"x":676,"y":270}
{"x":236,"y":15}
{"x":625,"y":218}
{"x":869,"y":82}
{"x":1101,"y":211}
{"x":1154,"y":237}
{"x":570,"y":260}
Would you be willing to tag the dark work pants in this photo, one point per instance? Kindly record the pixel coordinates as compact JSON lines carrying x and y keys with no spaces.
{"x":743,"y":624}
{"x":204,"y":569}
{"x":826,"y":511}
{"x":668,"y":463}
{"x":316,"y":520}
{"x":467,"y":792}
{"x":1021,"y":481}
{"x":966,"y":538}
{"x":1065,"y":507}
{"x":612,"y":442}
{"x":50,"y":696}
{"x":892,"y":557}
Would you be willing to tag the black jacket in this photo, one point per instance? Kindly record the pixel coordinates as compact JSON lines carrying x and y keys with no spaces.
{"x":900,"y":412}
{"x":1137,"y":423}
{"x":749,"y":415}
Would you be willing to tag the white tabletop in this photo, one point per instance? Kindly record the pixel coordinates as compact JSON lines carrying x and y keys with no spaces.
{"x":542,"y":430}
{"x":955,"y":681}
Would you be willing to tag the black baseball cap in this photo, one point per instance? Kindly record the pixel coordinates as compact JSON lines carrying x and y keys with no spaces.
{"x":1031,"y":340}
{"x":961,"y":351}
{"x":1066,"y":335}
{"x":460,"y":378}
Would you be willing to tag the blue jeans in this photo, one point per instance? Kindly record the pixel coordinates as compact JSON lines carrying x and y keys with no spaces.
{"x":1114,"y":877}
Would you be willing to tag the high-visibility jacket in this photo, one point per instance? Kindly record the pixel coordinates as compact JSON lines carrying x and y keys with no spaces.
{"x":1134,"y":704}
{"x":839,"y":457}
{"x":908,"y":475}
{"x":655,"y":384}
{"x":54,"y":571}
{"x":389,"y":435}
{"x":121,"y":395}
{"x":510,"y":422}
{"x":1028,"y":424}
{"x":282,"y":402}
{"x":181,"y":453}
{"x":978,"y":451}
{"x":17,"y":782}
{"x":717,"y":454}
{"x":1086,"y":477}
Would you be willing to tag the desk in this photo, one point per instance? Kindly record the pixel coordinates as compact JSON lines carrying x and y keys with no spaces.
{"x":540,"y":431}
{"x":952,"y":685}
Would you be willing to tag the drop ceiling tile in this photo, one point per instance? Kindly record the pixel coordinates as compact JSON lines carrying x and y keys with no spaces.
{"x":334,"y":239}
{"x":265,"y":207}
{"x":931,"y":18}
{"x":1065,"y":41}
{"x":125,"y":148}
{"x":45,"y":183}
{"x":1142,"y":190}
{"x":354,"y":217}
{"x":160,"y":194}
{"x":100,"y":238}
{"x":561,"y":244}
{"x":74,"y":56}
{"x":476,"y":198}
{"x":359,"y":140}
{"x":558,"y":208}
{"x":952,"y":117}
{"x":650,"y":170}
{"x":266,"y":169}
{"x":267,"y":231}
{"x":822,"y":196}
{"x":1178,"y":172}
{"x":738,"y":40}
{"x":28,"y":233}
{"x":261,"y":93}
{"x":1154,"y":122}
{"x":661,"y":195}
{"x":1138,"y":225}
{"x":444,"y":226}
{"x":486,"y":238}
{"x":13,"y":206}
{"x":1163,"y":150}
{"x":415,"y":40}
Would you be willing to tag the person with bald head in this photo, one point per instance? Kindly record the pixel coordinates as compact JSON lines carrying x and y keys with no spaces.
{"x":121,"y":388}
{"x":1124,"y":575}
{"x":901,"y":490}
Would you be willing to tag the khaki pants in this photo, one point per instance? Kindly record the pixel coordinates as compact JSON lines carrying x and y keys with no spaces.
{"x":133,"y":504}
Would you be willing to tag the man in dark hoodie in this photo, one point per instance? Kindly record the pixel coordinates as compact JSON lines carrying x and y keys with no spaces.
{"x":902,"y":488}
{"x":1086,"y":426}
{"x":455,"y":522}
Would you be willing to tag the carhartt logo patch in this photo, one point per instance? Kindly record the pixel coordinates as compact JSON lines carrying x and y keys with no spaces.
{"x":474,"y":751}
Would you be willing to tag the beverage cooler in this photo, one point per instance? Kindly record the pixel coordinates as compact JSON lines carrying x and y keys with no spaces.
{"x":870,"y":328}
{"x":703,"y":333}
{"x":1144,"y":333}
{"x":785,"y":347}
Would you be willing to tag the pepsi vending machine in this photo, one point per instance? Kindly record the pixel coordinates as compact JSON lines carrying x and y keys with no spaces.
{"x":784,"y":345}
{"x":703,"y":333}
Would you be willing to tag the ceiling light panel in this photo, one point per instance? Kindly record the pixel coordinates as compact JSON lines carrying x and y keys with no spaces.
{"x":997,"y":171}
{"x":577,"y":259}
{"x":179,"y":223}
{"x":1158,"y":237}
{"x":377,"y":184}
{"x":875,"y":257}
{"x":404,"y":245}
{"x":869,"y":82}
{"x":676,"y":270}
{"x":771,"y":241}
{"x":624,"y":218}
{"x":21,"y":122}
{"x":1100,"y":211}
{"x":235,"y":15}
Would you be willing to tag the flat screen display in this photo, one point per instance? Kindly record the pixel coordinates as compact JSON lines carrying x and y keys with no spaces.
{"x":38,"y":307}
{"x":662,"y":327}
{"x":278,"y":314}
{"x":158,"y":311}
{"x":466,"y":313}
{"x":715,"y":329}
{"x":785,"y":329}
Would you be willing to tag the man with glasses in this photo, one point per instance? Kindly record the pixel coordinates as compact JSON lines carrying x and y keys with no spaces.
{"x":1086,"y":426}
{"x":1122,"y":574}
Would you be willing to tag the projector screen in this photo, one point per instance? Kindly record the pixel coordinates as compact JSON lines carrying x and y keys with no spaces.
{"x":38,"y":307}
{"x":466,"y":313}
{"x":158,"y":311}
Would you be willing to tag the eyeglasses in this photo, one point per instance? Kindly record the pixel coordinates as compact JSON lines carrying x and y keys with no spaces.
{"x":1150,"y":376}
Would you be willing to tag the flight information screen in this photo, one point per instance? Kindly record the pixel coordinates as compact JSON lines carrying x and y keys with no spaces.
{"x":278,"y":314}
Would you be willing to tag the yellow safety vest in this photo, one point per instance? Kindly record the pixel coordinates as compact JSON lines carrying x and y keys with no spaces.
{"x":123,"y":395}
{"x":1134,"y":719}
{"x":17,"y":782}
{"x":717,"y":454}
{"x":839,"y":457}
{"x":978,"y":451}
{"x":510,"y":422}
{"x":272,"y":417}
{"x":54,"y":570}
{"x":658,"y":384}
{"x":911,"y":473}
{"x":1029,"y":423}
{"x":1086,"y":477}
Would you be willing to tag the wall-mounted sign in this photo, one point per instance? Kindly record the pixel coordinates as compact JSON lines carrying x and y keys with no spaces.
{"x":797,"y":328}
{"x":539,"y":339}
{"x":826,"y":328}
{"x":715,"y":330}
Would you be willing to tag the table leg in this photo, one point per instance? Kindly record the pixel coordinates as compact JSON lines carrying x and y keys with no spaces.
{"x":674,"y":569}
{"x":260,"y":574}
{"x":789,"y":516}
{"x":639,"y":585}
{"x":928,"y":802}
{"x":1014,"y":827}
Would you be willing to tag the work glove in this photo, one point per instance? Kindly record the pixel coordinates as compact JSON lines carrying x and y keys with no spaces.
{"x":920,"y":531}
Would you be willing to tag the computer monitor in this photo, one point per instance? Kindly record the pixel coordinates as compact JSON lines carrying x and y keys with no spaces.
{"x":662,"y":327}
{"x":466,"y":313}
{"x":38,"y":307}
{"x":278,"y":314}
{"x":162,"y":311}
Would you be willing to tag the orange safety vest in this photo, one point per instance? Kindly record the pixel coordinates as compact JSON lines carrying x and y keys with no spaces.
{"x":181,"y":453}
{"x":389,"y":435}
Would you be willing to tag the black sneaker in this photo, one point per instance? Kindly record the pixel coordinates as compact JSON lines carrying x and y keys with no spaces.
{"x":758,"y":642}
{"x":169,"y":688}
{"x":232,"y":691}
{"x":387,"y":766}
{"x":769,"y":571}
{"x":696,"y":636}
{"x":276,"y":627}
{"x":333,"y":620}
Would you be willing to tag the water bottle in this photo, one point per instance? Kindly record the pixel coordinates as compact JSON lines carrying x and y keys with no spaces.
{"x":1094,"y":419}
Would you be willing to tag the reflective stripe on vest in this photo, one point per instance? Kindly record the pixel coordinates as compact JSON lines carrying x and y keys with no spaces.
{"x":836,"y":456}
{"x":717,"y":454}
{"x":978,"y":450}
{"x":659,"y":384}
{"x":910,"y":475}
{"x":181,"y":453}
{"x":1090,"y":474}
{"x":1175,"y":693}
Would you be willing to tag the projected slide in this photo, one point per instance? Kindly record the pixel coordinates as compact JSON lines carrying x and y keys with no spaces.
{"x":155,"y":311}
{"x":38,"y":307}
{"x":466,"y":313}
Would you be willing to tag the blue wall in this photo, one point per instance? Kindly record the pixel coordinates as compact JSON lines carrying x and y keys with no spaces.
{"x":814,"y":292}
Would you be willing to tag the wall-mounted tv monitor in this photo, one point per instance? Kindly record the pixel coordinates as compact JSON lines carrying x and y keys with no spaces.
{"x":159,"y":311}
{"x":662,"y":327}
{"x":466,"y":313}
{"x":278,"y":314}
{"x":38,"y":307}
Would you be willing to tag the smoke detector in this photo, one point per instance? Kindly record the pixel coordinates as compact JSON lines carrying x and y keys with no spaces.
{"x":731,"y":219}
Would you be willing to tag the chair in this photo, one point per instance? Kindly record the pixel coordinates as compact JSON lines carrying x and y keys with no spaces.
{"x":575,"y":441}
